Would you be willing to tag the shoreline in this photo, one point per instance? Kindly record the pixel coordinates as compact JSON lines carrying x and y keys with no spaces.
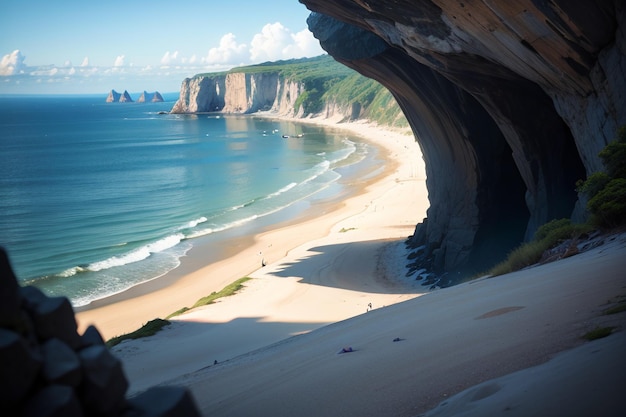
{"x":229,"y":241}
{"x":241,"y":255}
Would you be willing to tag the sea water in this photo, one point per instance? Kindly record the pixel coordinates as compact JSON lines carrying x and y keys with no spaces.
{"x":96,"y":197}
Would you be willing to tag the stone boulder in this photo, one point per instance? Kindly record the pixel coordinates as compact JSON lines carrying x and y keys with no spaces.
{"x":48,"y":369}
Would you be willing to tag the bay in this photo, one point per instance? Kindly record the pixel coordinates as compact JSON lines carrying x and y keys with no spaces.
{"x":96,"y":197}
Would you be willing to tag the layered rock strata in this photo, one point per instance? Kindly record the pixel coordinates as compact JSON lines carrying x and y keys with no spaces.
{"x":510,"y":101}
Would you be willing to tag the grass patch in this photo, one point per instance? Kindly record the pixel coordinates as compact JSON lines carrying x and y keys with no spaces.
{"x":547,"y":236}
{"x":598,"y":333}
{"x":344,"y":230}
{"x":148,"y":329}
{"x":620,"y":308}
{"x":227,"y":291}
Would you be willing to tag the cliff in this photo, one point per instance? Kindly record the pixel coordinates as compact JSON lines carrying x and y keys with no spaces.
{"x":510,"y":101}
{"x":235,"y":93}
{"x":297,"y":88}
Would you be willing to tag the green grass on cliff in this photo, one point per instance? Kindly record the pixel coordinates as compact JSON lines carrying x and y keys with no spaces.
{"x":326,"y":80}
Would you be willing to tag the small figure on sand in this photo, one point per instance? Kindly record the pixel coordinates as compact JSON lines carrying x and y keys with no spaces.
{"x":369,"y":307}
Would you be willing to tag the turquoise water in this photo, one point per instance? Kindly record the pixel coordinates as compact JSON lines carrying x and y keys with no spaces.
{"x":96,"y":197}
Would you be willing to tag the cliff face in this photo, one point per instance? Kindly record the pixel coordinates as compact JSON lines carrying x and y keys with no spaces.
{"x":510,"y":101}
{"x":238,"y":93}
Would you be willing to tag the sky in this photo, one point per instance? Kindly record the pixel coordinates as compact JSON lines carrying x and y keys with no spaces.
{"x":94,"y":46}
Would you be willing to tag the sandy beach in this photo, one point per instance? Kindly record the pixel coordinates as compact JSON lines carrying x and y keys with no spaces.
{"x":500,"y":338}
{"x":320,"y":270}
{"x":337,"y":281}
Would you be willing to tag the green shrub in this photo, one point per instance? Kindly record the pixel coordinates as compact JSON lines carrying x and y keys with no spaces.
{"x":550,"y":227}
{"x":547,"y":236}
{"x":608,"y":206}
{"x":614,"y":156}
{"x":521,"y":257}
{"x":607,"y":191}
{"x":594,"y":183}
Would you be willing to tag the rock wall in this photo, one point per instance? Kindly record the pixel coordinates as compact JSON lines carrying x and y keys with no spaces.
{"x":239,"y":93}
{"x":511,"y":103}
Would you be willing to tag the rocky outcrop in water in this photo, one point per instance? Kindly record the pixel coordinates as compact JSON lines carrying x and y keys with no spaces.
{"x":155,"y":97}
{"x":115,"y":97}
{"x":510,"y":101}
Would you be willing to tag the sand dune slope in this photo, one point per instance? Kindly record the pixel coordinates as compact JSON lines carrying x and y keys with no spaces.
{"x":451,"y":339}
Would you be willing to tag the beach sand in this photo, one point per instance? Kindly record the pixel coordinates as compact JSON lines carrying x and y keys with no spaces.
{"x":273,"y":349}
{"x":320,"y":270}
{"x":449,"y":340}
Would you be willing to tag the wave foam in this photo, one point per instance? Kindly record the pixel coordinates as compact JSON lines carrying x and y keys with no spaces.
{"x":138,"y":254}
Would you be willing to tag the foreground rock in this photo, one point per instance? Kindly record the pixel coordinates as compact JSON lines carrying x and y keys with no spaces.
{"x":48,"y":369}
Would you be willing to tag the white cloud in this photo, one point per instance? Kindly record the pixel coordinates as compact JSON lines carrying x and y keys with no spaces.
{"x":12,"y":63}
{"x":304,"y":44}
{"x":270,"y":43}
{"x":49,"y":71}
{"x":119,"y":61}
{"x":169,"y":58}
{"x":277,"y":42}
{"x":228,"y":52}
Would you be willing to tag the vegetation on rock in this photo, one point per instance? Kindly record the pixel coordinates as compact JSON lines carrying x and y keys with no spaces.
{"x":606,"y":191}
{"x":327,"y":81}
{"x":547,"y":236}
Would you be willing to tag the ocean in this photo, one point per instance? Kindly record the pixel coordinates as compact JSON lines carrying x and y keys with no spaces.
{"x":97,"y":197}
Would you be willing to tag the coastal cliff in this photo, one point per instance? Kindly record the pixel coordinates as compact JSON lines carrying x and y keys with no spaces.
{"x":511,"y":103}
{"x":238,"y":93}
{"x":296,"y":88}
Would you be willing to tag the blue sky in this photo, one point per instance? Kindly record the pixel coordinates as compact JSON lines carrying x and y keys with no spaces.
{"x":93,"y":46}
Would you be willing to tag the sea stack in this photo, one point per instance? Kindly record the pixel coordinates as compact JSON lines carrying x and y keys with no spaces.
{"x":155,"y":97}
{"x":115,"y":97}
{"x":126,"y":98}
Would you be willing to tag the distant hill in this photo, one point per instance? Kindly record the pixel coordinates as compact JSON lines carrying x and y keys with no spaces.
{"x":305,"y":87}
